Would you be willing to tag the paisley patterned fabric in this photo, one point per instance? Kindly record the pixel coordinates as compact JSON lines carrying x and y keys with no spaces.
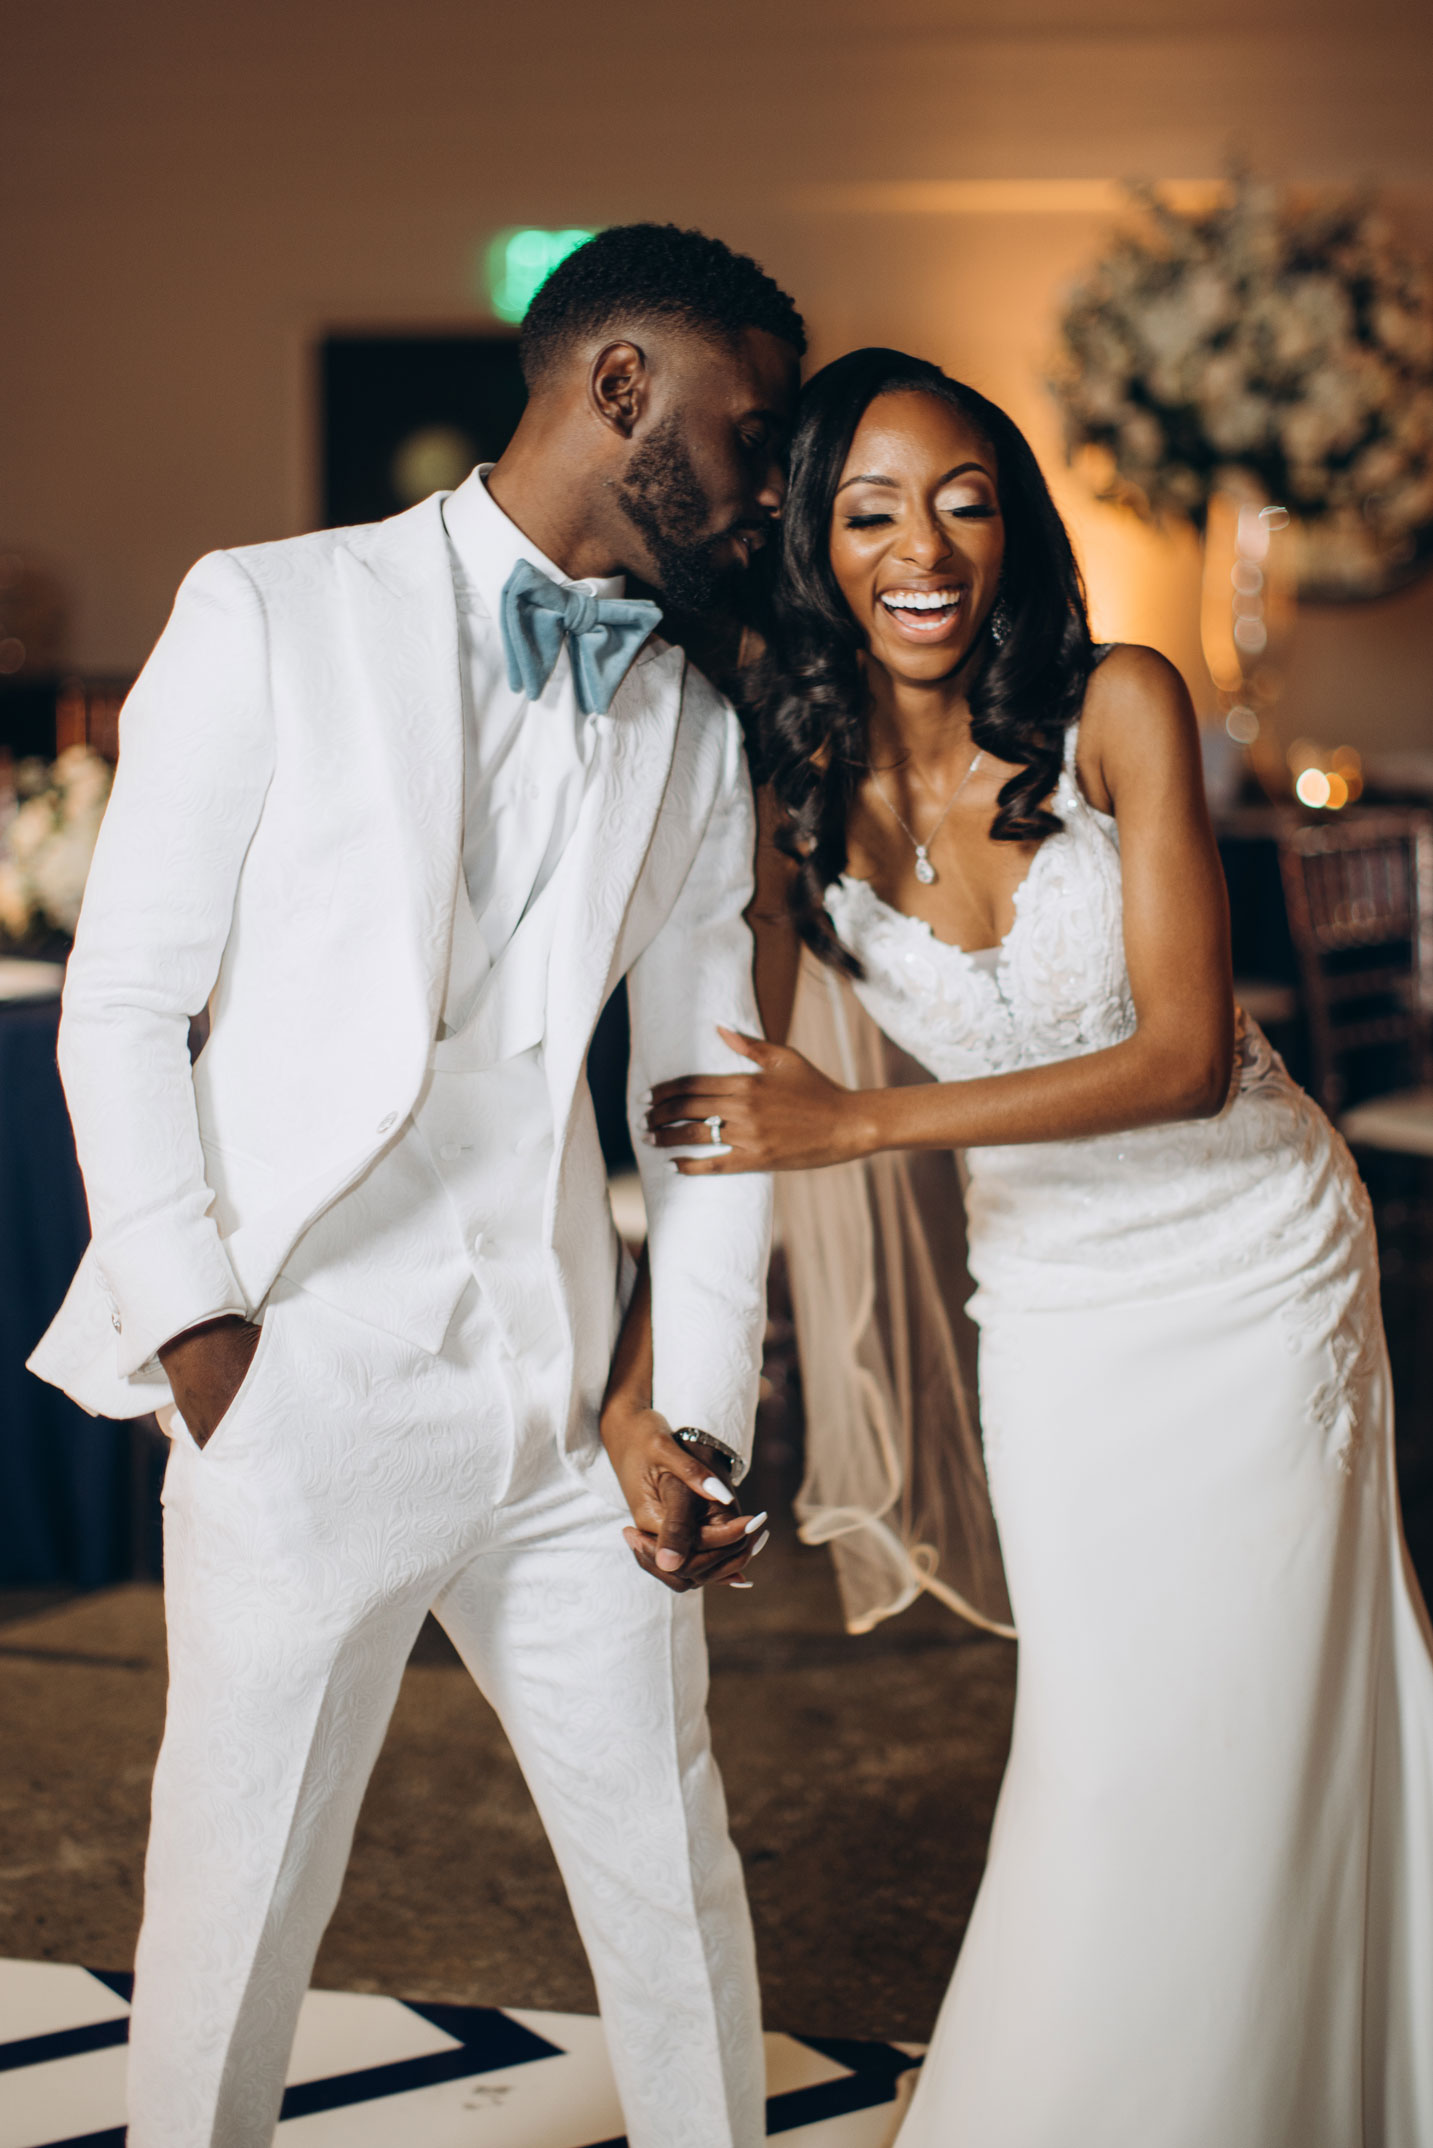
{"x":355,"y":1481}
{"x":419,"y":1425}
{"x":1208,"y":1911}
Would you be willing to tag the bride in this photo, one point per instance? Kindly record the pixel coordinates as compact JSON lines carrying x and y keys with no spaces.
{"x":1207,"y":1916}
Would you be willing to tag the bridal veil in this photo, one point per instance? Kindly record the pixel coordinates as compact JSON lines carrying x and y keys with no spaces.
{"x":894,"y":1480}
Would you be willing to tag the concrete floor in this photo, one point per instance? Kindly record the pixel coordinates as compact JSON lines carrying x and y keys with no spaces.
{"x":861,"y":1775}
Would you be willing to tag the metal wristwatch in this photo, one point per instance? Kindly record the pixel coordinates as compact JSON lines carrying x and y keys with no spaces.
{"x":693,"y":1436}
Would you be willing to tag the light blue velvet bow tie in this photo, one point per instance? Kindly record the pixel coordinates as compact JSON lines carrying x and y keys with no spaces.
{"x":603,"y":636}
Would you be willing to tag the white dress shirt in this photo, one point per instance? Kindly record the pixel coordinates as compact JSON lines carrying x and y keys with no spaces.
{"x":525,"y":762}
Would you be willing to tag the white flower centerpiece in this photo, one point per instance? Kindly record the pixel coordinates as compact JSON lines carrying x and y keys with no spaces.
{"x":48,"y":842}
{"x":1283,"y":348}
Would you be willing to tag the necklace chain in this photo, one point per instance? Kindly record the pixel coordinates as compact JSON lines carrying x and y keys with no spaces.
{"x":925,"y":871}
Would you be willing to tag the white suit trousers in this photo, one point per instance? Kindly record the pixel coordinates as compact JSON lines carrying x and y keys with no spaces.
{"x":354,"y":1483}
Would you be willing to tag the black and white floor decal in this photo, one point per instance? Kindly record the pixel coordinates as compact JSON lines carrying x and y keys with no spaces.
{"x":369,"y":2071}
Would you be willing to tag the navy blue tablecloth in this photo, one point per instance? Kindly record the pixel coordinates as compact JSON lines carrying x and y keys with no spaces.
{"x":66,"y":1498}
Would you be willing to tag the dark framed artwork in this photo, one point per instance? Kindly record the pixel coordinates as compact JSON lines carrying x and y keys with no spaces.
{"x":406,"y":413}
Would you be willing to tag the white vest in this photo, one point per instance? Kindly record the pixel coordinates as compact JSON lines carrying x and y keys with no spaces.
{"x":460,"y":1193}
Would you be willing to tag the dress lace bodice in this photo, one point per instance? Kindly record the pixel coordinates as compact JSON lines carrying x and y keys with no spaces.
{"x":1264,"y":1189}
{"x":1059,"y":987}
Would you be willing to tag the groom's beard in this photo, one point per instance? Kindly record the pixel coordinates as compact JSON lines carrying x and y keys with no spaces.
{"x":663,"y":497}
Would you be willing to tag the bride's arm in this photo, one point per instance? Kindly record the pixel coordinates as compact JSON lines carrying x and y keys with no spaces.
{"x":1139,"y":756}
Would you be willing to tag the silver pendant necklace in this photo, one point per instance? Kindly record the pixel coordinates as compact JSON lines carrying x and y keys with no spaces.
{"x":925,"y":871}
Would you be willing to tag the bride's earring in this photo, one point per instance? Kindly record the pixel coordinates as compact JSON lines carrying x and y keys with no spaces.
{"x":999,"y":621}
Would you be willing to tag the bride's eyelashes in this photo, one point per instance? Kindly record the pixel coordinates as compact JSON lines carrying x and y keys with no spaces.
{"x":963,"y":514}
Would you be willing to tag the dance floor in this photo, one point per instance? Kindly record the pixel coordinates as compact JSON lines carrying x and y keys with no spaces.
{"x":368,"y":2071}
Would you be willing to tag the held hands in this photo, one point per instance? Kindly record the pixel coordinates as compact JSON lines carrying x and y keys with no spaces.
{"x":785,"y":1116}
{"x":689,"y":1532}
{"x":206,"y":1367}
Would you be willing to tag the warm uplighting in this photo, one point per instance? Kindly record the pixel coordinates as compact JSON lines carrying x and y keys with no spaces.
{"x":1312,"y":788}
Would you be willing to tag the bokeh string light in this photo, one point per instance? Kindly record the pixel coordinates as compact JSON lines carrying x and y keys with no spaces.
{"x":1323,"y":779}
{"x":1246,"y":609}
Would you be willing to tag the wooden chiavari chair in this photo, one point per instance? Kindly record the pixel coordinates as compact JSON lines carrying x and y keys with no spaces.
{"x":1360,"y":902}
{"x":87,"y":714}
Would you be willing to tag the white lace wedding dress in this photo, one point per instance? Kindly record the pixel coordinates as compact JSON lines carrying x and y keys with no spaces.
{"x":1207,"y":1916}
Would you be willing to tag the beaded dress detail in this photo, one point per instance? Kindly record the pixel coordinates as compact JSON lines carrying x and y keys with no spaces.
{"x":1072,"y":1222}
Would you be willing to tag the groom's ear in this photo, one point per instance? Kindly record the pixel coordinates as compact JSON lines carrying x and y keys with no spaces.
{"x":619,"y":386}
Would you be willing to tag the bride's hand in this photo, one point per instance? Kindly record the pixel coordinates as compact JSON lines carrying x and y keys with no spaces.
{"x":784,"y":1116}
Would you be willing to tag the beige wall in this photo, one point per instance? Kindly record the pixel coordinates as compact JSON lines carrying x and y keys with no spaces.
{"x":188,"y":192}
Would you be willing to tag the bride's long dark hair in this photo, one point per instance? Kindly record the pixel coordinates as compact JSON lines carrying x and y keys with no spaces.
{"x":809,"y":693}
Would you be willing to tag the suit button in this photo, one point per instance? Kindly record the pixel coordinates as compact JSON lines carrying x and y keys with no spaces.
{"x":116,"y":1323}
{"x":478,"y":1237}
{"x":389,"y":1119}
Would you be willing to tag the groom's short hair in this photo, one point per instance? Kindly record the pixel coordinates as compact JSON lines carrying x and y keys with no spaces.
{"x":633,"y":272}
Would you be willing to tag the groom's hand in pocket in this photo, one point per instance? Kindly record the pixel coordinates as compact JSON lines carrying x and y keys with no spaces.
{"x":205,"y":1367}
{"x":688,"y":1530}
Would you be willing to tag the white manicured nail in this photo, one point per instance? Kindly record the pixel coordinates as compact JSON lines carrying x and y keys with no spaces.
{"x":741,"y":1584}
{"x":649,"y":1137}
{"x":754,"y":1524}
{"x":646,"y":1096}
{"x":715,"y":1489}
{"x":759,"y":1542}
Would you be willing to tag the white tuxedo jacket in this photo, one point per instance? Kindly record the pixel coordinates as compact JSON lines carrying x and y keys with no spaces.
{"x":283,"y":844}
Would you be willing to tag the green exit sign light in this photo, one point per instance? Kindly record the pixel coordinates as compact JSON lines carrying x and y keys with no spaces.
{"x":520,"y":262}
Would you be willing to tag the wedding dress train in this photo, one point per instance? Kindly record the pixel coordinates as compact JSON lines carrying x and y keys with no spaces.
{"x":1207,"y":1916}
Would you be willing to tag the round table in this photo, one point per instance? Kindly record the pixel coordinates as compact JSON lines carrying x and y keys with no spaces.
{"x":67,"y":1480}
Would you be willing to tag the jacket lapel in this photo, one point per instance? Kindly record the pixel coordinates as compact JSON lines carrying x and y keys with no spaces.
{"x":398,"y":590}
{"x":605,"y":858}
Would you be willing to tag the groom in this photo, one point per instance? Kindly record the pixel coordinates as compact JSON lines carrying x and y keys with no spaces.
{"x":401,"y":804}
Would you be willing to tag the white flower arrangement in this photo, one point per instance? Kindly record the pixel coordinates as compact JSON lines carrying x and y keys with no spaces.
{"x":46,"y":848}
{"x":1290,"y":345}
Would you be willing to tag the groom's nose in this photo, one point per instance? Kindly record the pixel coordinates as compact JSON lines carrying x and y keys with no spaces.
{"x":771,"y":494}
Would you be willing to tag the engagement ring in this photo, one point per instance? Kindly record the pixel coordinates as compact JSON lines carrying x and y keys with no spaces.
{"x":715,"y":1125}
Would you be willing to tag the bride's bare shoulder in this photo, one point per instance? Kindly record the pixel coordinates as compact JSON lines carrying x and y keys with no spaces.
{"x":1131,"y":678}
{"x":1137,"y":716}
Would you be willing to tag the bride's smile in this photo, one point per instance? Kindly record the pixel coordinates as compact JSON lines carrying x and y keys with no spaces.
{"x":917,"y":537}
